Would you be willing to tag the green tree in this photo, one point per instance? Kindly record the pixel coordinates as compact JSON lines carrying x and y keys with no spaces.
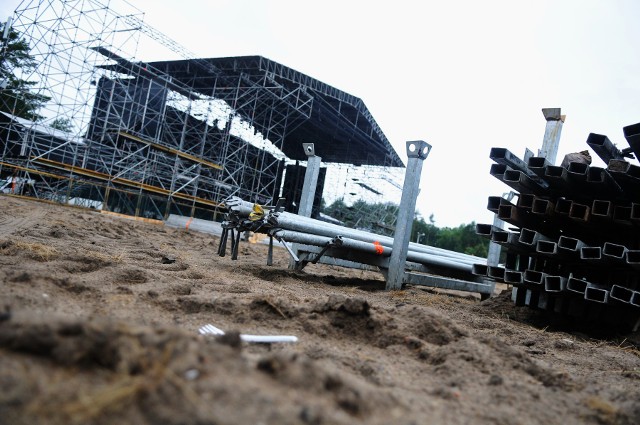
{"x":428,"y":231}
{"x":463,"y":239}
{"x":379,"y":218}
{"x":376,"y":217}
{"x":338,"y":210}
{"x":63,"y":124}
{"x":16,"y":94}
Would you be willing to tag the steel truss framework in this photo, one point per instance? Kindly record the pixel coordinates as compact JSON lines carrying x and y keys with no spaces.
{"x":176,"y":136}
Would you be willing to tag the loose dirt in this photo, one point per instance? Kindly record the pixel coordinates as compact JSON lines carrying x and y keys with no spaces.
{"x":99,"y":319}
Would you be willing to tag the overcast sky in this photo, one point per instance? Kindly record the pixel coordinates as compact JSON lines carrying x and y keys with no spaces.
{"x":464,"y":76}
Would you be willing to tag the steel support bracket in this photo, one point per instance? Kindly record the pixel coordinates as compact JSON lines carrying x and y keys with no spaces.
{"x":417,"y":151}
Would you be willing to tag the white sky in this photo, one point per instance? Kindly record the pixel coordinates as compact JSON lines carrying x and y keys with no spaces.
{"x":464,"y":76}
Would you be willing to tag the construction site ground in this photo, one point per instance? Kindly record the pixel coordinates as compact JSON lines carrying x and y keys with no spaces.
{"x":99,"y":319}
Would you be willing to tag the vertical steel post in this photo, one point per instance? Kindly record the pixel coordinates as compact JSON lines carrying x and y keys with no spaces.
{"x":552,"y":132}
{"x":308,"y":190}
{"x":417,"y":151}
{"x":310,"y":181}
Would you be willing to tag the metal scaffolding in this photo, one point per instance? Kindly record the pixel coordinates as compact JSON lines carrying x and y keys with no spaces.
{"x":178,"y":136}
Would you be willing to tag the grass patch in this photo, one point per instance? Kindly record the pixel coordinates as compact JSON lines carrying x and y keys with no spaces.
{"x":34,"y":250}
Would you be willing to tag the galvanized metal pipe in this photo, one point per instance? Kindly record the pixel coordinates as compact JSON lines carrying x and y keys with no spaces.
{"x":437,"y":260}
{"x":310,"y":180}
{"x":293,"y":222}
{"x":305,"y":225}
{"x":338,"y":242}
{"x":552,"y":132}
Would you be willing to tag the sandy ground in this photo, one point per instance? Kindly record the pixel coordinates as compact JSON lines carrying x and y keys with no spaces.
{"x":99,"y":321}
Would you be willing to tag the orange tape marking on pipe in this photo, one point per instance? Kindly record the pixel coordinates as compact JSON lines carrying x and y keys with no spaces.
{"x":189,"y":222}
{"x":379,"y":248}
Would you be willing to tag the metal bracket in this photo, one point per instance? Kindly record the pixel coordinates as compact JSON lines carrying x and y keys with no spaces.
{"x":553,"y":114}
{"x":418,"y":149}
{"x":334,"y":242}
{"x":309,"y":149}
{"x":293,"y":255}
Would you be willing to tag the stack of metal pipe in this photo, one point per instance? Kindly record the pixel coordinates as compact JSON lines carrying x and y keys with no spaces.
{"x":339,"y":241}
{"x":573,"y":241}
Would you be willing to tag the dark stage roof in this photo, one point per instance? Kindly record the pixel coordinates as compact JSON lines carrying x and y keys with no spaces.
{"x":284,"y":104}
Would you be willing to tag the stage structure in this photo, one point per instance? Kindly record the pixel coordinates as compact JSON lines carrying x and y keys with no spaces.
{"x":149,"y":137}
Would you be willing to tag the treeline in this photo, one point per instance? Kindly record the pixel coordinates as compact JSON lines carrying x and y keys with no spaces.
{"x":17,"y":96}
{"x":460,"y":239}
{"x":379,"y":218}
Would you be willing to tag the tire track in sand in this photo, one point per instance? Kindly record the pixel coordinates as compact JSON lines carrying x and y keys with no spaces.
{"x":16,"y":219}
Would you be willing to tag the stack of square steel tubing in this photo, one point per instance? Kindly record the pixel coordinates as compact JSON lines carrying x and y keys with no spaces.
{"x":572,"y":243}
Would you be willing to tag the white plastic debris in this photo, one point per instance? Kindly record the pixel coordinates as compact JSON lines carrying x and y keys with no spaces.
{"x":191,"y":374}
{"x":209,"y":329}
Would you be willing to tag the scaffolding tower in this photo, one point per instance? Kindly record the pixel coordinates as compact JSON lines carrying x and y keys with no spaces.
{"x":177,"y":136}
